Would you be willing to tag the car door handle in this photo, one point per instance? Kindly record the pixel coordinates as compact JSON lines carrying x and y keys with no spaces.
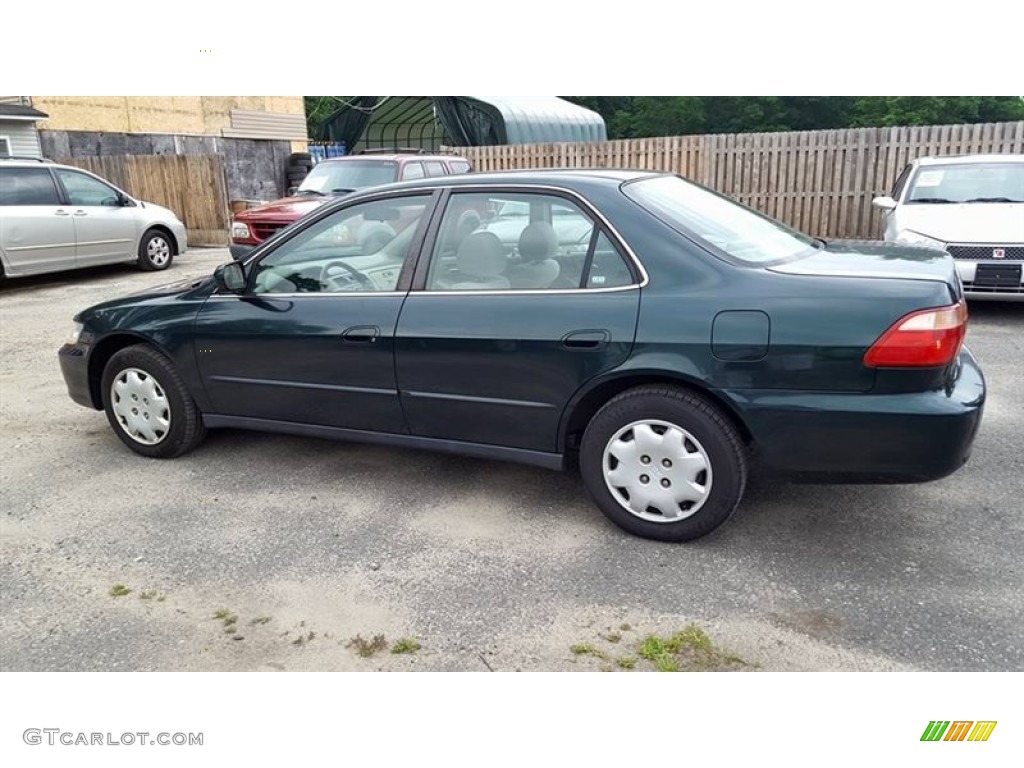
{"x":80,"y":212}
{"x":61,"y":212}
{"x":361,"y":333}
{"x":586,"y":339}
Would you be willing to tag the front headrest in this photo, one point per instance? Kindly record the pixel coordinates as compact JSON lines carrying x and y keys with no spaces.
{"x":468,"y":223}
{"x":538,"y":241}
{"x":481,"y":255}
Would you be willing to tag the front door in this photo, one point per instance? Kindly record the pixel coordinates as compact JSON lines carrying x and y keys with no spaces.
{"x":523,"y":300}
{"x":312,"y":340}
{"x":37,"y":233}
{"x":106,"y":231}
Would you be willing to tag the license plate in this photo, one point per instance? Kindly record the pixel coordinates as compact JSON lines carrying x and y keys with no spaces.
{"x":997,"y":276}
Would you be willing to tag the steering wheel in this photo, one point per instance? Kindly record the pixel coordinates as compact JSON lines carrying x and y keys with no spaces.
{"x":361,"y":278}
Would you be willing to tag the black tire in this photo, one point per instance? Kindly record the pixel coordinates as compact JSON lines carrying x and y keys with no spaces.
{"x":185,"y":429}
{"x":723,"y":453}
{"x":156,"y":250}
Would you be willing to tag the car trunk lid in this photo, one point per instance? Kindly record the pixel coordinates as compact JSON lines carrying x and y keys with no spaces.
{"x":853,"y":258}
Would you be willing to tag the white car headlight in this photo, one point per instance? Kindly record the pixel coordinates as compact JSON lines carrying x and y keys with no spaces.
{"x":76,"y":331}
{"x":240,"y":230}
{"x":911,"y":237}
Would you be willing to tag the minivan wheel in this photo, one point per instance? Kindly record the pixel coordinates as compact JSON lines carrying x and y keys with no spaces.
{"x":155,"y":251}
{"x":663,"y":463}
{"x":147,"y":404}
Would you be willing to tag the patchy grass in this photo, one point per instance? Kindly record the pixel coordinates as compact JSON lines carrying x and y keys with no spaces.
{"x":588,"y":649}
{"x":119,"y":590}
{"x":625,"y":627}
{"x":626,"y":662}
{"x":689,"y":649}
{"x":406,"y":645}
{"x":261,"y":620}
{"x":612,"y":637}
{"x":221,"y":614}
{"x":147,"y":594}
{"x":367,"y":648}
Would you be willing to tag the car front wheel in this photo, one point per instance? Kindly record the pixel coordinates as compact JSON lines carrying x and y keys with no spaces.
{"x":147,"y":404}
{"x":156,"y":251}
{"x":663,"y":463}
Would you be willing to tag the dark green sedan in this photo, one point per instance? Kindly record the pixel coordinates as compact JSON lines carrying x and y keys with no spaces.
{"x":654,"y":333}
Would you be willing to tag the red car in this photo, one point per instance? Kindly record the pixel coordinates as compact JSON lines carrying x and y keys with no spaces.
{"x":334,"y":178}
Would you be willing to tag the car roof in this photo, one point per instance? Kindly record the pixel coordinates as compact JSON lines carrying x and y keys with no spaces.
{"x":390,"y":157}
{"x":555,"y":177}
{"x":966,"y":159}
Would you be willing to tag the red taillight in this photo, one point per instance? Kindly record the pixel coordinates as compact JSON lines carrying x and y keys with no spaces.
{"x":926,"y":339}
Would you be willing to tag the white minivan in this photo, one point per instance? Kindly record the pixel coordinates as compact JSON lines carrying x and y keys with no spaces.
{"x":971,"y":206}
{"x":55,"y":217}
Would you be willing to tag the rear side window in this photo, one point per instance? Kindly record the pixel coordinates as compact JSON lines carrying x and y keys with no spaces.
{"x":460,"y":166}
{"x":27,"y":186}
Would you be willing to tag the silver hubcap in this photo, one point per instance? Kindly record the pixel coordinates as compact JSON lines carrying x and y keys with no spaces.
{"x":158,"y":251}
{"x":657,"y":471}
{"x":141,"y":406}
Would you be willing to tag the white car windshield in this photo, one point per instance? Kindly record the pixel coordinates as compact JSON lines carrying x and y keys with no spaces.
{"x":739,"y":231}
{"x":968,"y":183}
{"x":346,"y":176}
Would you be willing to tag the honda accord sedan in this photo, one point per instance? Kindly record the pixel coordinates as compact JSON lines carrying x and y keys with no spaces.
{"x":686,"y":340}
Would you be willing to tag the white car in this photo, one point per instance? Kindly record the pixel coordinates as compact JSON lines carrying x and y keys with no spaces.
{"x":971,"y":206}
{"x":56,"y":217}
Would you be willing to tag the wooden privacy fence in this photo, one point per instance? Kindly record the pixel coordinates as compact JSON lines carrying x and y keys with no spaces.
{"x":820,"y":182}
{"x":190,"y":185}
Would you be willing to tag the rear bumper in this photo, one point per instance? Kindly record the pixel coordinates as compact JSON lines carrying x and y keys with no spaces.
{"x":903,"y":438}
{"x":74,"y":365}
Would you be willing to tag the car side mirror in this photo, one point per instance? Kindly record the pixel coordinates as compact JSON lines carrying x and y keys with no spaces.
{"x":292,"y":191}
{"x":230,"y":277}
{"x":884,"y":202}
{"x":125,"y":202}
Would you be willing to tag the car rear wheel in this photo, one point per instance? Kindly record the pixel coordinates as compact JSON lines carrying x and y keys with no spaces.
{"x":147,"y":404}
{"x":663,"y":463}
{"x":155,"y":251}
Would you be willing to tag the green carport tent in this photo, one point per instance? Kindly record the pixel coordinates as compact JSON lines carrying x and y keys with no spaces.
{"x":428,"y":122}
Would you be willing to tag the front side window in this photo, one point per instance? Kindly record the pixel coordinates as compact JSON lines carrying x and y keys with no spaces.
{"x":435,"y":168}
{"x":27,"y":186}
{"x":520,"y":241}
{"x":901,"y":182}
{"x":740,"y":232}
{"x":343,"y":176}
{"x":412,"y":171}
{"x":85,"y":190}
{"x":459,"y":166}
{"x":357,"y":249}
{"x":968,"y":183}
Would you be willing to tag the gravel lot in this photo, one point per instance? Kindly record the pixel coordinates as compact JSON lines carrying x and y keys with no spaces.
{"x":487,"y":565}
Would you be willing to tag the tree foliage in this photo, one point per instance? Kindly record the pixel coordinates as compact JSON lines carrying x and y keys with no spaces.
{"x":637,"y":116}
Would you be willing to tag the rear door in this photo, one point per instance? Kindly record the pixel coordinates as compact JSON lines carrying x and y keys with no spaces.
{"x":105,"y":230}
{"x":37,"y":233}
{"x":507,"y":320}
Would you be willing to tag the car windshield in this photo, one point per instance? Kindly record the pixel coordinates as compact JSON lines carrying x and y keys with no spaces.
{"x":968,"y":183}
{"x":740,"y":232}
{"x":347,"y":175}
